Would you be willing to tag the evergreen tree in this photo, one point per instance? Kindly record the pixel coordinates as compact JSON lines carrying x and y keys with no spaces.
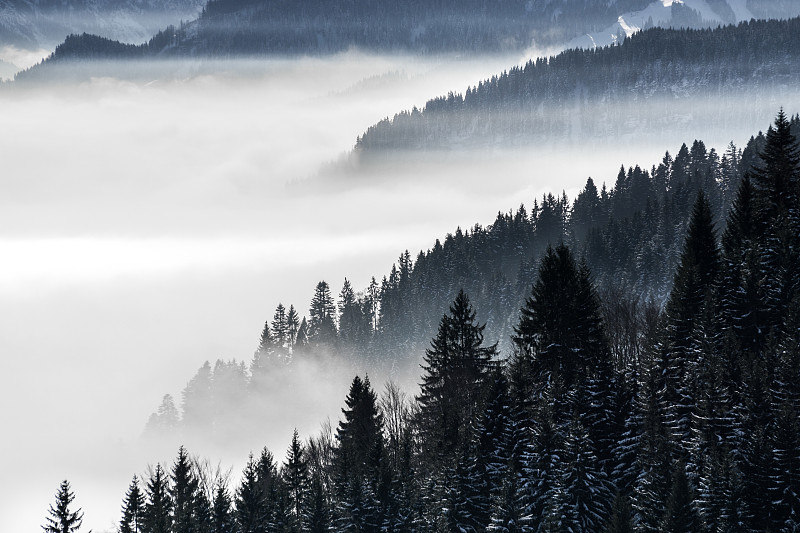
{"x":456,"y":371}
{"x":680,"y":515}
{"x":251,"y":514}
{"x":360,"y":460}
{"x":184,"y":494}
{"x":322,"y":316}
{"x":560,"y":328}
{"x":158,"y":507}
{"x":694,"y":281}
{"x":295,"y":478}
{"x":280,"y":327}
{"x":62,"y":519}
{"x":621,"y":516}
{"x":317,"y":508}
{"x":132,"y":509}
{"x":292,"y":325}
{"x":222,"y":515}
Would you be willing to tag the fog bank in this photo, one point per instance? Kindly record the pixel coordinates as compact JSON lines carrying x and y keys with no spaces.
{"x":149,"y":226}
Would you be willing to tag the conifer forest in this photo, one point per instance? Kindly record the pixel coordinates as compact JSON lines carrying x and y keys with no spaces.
{"x":362,"y":266}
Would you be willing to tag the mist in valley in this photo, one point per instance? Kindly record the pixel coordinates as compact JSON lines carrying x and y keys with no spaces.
{"x":150,"y":224}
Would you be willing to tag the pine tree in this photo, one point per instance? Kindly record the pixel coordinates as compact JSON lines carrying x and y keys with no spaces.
{"x":251,"y":514}
{"x":778,"y":193}
{"x":587,"y":492}
{"x":456,"y":371}
{"x":280,"y":327}
{"x":184,"y":494}
{"x":778,"y":176}
{"x":132,"y":509}
{"x":360,"y":460}
{"x":222,"y":516}
{"x":559,"y":327}
{"x":158,"y":507}
{"x":621,"y":516}
{"x":292,"y":325}
{"x":680,"y":515}
{"x":62,"y":519}
{"x":317,"y":510}
{"x":694,"y":281}
{"x":295,"y":477}
{"x":322,"y":316}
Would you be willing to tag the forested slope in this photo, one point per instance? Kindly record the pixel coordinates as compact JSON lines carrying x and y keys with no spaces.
{"x":658,"y":79}
{"x":698,"y":432}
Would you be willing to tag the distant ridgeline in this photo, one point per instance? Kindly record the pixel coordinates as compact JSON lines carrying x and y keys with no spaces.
{"x":648,"y":82}
{"x":229,"y":28}
{"x":256,"y":27}
{"x":696,"y":432}
{"x":630,"y":235}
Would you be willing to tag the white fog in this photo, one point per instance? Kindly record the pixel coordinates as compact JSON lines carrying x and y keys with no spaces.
{"x":148,"y":227}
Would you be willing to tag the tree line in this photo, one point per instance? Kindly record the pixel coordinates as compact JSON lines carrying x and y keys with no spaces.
{"x":698,"y":432}
{"x":586,"y":93}
{"x":629,"y":234}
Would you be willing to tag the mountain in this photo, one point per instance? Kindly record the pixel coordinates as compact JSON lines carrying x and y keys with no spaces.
{"x":658,"y":81}
{"x":254,"y":27}
{"x":40,"y":25}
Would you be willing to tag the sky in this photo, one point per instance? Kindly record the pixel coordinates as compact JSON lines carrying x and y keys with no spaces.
{"x":149,"y":226}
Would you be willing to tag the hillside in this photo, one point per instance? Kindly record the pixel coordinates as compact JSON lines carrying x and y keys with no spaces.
{"x":228,"y":28}
{"x":629,"y":233}
{"x":695,"y":432}
{"x":657,"y":80}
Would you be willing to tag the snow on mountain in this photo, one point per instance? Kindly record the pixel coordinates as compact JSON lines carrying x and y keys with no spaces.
{"x":660,"y":14}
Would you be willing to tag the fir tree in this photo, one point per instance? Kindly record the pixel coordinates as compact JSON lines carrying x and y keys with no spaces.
{"x":295,"y":478}
{"x":680,"y":515}
{"x":559,"y":327}
{"x":456,"y":370}
{"x":251,"y":514}
{"x":322,"y":313}
{"x":222,"y":516}
{"x":62,"y":519}
{"x":280,"y":327}
{"x":184,"y":494}
{"x":132,"y":509}
{"x":292,"y":325}
{"x":158,"y":507}
{"x":694,"y":281}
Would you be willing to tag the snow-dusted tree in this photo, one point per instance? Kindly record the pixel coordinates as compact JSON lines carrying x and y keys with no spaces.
{"x":295,"y":479}
{"x":456,"y":374}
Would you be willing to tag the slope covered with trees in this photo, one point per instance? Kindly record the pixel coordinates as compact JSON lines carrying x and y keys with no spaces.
{"x":698,"y":432}
{"x":231,"y":28}
{"x":630,"y":235}
{"x":649,"y":82}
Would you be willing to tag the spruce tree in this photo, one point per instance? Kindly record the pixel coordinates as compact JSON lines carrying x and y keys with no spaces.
{"x":292,"y":325}
{"x":250,"y":509}
{"x":132,"y":509}
{"x":295,"y":478}
{"x":158,"y":507}
{"x":322,"y":316}
{"x":61,"y":519}
{"x":680,"y":515}
{"x":560,"y":328}
{"x":184,"y":494}
{"x":280,"y":327}
{"x":694,"y":282}
{"x":222,"y":515}
{"x":456,"y":372}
